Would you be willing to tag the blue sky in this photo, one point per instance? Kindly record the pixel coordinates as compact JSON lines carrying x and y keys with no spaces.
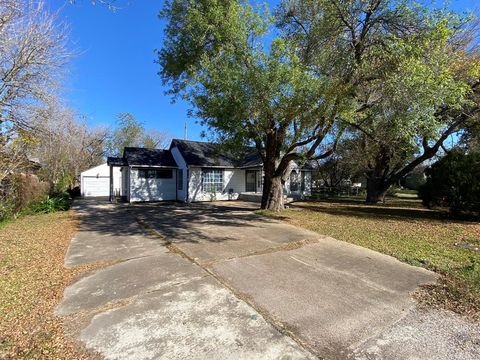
{"x":114,"y":70}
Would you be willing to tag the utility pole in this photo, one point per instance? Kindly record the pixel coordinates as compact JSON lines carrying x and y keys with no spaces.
{"x":185,"y":131}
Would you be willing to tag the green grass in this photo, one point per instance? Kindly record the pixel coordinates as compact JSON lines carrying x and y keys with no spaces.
{"x":407,"y":191}
{"x":407,"y":231}
{"x":406,"y":194}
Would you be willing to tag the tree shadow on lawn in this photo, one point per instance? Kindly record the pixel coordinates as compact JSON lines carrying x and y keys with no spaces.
{"x":406,"y":210}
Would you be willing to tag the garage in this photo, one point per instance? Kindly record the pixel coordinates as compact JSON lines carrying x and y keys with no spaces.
{"x":96,"y":186}
{"x":95,"y":182}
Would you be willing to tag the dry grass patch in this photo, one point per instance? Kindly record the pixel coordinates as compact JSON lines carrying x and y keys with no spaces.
{"x":410,"y":233}
{"x":32,"y":281}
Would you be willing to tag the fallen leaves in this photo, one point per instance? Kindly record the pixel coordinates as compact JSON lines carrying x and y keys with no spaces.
{"x":32,"y":281}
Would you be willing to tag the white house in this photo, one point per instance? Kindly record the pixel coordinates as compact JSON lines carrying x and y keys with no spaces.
{"x":95,"y":182}
{"x":192,"y":171}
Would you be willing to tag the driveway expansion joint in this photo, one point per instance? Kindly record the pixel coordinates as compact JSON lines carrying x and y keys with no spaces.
{"x":284,"y":291}
{"x":278,"y":325}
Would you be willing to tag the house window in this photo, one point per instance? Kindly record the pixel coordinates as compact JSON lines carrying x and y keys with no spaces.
{"x":293,"y":181}
{"x":212,"y":180}
{"x":180,"y":179}
{"x":155,"y":173}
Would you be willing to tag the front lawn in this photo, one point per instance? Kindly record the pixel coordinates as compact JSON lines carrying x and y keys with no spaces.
{"x":32,"y":281}
{"x":411,"y":233}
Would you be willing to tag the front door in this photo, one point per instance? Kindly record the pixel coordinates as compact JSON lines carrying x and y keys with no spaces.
{"x":250,"y":181}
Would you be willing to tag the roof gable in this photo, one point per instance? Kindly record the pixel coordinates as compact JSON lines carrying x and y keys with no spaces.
{"x":203,"y":154}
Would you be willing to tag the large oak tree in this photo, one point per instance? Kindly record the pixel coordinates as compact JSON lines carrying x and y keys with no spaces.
{"x":290,"y":83}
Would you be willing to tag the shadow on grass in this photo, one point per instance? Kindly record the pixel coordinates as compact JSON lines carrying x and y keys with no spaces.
{"x":408,"y":210}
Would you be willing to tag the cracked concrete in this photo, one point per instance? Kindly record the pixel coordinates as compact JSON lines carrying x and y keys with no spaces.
{"x":126,"y":280}
{"x":217,"y":281}
{"x":155,"y":304}
{"x":327,"y":300}
{"x":197,"y":319}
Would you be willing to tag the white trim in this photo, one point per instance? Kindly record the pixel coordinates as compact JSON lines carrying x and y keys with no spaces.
{"x":213,"y":167}
{"x":153,"y":166}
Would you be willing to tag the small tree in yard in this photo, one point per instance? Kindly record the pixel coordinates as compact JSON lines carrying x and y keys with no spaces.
{"x":454,"y":181}
{"x":291,"y":83}
{"x":129,"y":132}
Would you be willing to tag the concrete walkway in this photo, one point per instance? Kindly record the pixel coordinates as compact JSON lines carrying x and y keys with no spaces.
{"x":217,"y":281}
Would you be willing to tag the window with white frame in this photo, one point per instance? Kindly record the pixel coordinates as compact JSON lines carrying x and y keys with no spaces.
{"x":212,"y":180}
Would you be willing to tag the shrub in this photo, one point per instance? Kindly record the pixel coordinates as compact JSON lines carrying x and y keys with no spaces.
{"x":64,"y":183}
{"x":19,"y":191}
{"x":415,"y":179}
{"x":453,"y":181}
{"x":28,"y":190}
{"x":75,"y":192}
{"x":57,"y":202}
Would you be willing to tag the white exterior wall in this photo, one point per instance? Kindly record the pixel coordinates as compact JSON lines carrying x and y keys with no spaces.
{"x":152,"y":189}
{"x":232,"y":179}
{"x":181,"y":194}
{"x":99,"y":172}
{"x":308,"y":182}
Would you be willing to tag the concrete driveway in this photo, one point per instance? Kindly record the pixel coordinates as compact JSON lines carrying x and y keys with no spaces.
{"x":217,"y":281}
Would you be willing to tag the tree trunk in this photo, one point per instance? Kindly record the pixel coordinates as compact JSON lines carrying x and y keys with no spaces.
{"x":273,"y":196}
{"x":376,"y":190}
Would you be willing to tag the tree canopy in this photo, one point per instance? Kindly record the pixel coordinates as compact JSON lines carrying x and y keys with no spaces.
{"x":294,"y":81}
{"x":129,"y":132}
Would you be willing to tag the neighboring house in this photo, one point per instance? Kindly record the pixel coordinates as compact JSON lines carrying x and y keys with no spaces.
{"x":95,"y":182}
{"x":192,"y":171}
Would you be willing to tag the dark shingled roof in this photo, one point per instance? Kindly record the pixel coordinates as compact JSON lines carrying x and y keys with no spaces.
{"x":252,"y":160}
{"x":204,"y":154}
{"x":197,"y":153}
{"x":148,"y":157}
{"x":116,"y":161}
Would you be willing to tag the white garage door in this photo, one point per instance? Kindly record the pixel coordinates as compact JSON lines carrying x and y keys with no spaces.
{"x":96,"y":186}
